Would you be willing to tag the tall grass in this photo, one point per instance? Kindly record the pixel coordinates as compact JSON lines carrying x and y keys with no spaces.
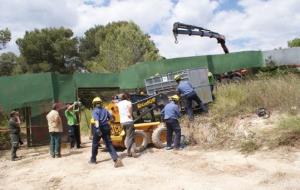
{"x":280,"y":93}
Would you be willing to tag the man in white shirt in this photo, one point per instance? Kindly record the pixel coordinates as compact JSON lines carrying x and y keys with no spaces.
{"x":126,"y":120}
{"x":55,"y":130}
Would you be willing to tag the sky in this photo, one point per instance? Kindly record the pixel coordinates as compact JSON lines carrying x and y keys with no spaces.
{"x":246,"y":24}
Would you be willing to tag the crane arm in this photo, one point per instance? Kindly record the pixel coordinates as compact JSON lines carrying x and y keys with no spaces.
{"x":180,"y":28}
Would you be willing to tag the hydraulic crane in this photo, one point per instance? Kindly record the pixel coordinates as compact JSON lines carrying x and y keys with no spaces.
{"x":180,"y":28}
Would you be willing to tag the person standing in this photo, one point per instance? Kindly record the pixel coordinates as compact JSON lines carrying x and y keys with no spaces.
{"x":73,"y":126}
{"x":186,"y":91}
{"x":55,"y":130}
{"x":101,"y":128}
{"x":14,"y":133}
{"x":212,"y":82}
{"x":171,"y":115}
{"x":126,"y":120}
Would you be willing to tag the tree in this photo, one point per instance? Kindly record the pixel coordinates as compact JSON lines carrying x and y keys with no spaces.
{"x":5,"y":37}
{"x":7,"y":63}
{"x":88,"y":49}
{"x":294,"y":43}
{"x":49,"y":49}
{"x":116,"y":46}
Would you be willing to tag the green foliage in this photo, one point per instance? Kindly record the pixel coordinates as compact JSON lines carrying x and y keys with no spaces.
{"x":49,"y":49}
{"x":116,"y":46}
{"x":294,"y":43}
{"x":249,"y":146}
{"x":5,"y":37}
{"x":7,"y":63}
{"x":88,"y":49}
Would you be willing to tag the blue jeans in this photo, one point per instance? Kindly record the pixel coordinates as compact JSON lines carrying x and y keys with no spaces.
{"x":55,"y":141}
{"x":173,"y":126}
{"x":189,"y":98}
{"x":104,"y":133}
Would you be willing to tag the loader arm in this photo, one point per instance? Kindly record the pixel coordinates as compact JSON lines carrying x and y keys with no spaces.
{"x":180,"y":28}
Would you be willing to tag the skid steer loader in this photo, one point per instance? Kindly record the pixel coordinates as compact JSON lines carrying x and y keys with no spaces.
{"x":147,"y":122}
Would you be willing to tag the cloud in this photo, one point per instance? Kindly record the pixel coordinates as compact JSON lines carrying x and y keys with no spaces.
{"x":256,"y":24}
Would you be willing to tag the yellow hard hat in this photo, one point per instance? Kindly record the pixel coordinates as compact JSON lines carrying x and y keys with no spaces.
{"x":177,"y":77}
{"x":97,"y":100}
{"x":93,"y":121}
{"x":210,"y":74}
{"x":174,"y":98}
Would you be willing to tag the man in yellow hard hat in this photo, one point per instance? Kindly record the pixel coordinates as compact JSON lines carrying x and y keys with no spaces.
{"x":186,"y":91}
{"x":102,"y":130}
{"x":171,"y":115}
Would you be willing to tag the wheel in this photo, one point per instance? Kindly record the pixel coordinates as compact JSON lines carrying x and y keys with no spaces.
{"x":141,"y":140}
{"x":236,"y":79}
{"x":159,"y":136}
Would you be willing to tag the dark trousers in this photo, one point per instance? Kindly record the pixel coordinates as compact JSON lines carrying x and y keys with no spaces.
{"x":55,"y":142}
{"x":74,"y":136}
{"x":105,"y":135}
{"x":129,"y":139}
{"x":14,"y":140}
{"x":189,"y":98}
{"x":212,"y":92}
{"x":173,"y":126}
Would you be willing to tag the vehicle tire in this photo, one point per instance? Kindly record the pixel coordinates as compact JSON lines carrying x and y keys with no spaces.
{"x":141,"y":140}
{"x":159,"y":136}
{"x":236,"y":79}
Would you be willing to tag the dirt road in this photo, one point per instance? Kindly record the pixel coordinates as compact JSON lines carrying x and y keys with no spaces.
{"x":191,"y":168}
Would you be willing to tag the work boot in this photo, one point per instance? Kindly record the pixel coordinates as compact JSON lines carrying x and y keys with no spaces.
{"x":52,"y":156}
{"x":92,"y":162}
{"x":118,"y":163}
{"x":58,"y":155}
{"x":178,"y":148}
{"x":168,"y":148}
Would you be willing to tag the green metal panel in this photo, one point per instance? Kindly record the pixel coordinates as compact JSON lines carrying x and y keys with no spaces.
{"x":92,"y":80}
{"x":34,"y":89}
{"x":64,"y":88}
{"x":235,"y":61}
{"x":21,"y":91}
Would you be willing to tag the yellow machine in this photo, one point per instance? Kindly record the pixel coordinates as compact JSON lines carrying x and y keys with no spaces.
{"x":145,"y":133}
{"x":147,"y":128}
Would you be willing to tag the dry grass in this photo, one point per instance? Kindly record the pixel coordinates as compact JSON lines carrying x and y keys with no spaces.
{"x":234,"y":101}
{"x":280,"y":93}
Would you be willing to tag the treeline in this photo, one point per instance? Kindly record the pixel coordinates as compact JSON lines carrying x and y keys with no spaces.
{"x":109,"y":48}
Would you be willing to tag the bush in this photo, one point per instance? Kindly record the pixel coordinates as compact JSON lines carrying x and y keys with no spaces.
{"x":277,"y":93}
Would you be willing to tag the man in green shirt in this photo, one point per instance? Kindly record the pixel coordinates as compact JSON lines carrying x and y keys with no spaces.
{"x":74,"y":131}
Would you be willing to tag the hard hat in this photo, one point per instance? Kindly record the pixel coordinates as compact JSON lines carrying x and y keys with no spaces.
{"x":174,"y":98}
{"x":177,"y":77}
{"x":97,"y":100}
{"x":92,"y":121}
{"x":210,"y":74}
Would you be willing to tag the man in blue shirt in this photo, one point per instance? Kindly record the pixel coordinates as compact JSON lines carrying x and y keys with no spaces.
{"x":186,"y":91}
{"x":102,"y":129}
{"x":171,"y":114}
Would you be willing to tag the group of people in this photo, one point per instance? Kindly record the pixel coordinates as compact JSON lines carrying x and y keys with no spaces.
{"x":102,"y":129}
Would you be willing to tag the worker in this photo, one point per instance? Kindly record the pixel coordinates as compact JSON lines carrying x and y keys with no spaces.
{"x":186,"y":91}
{"x":171,"y":115}
{"x":126,"y":120}
{"x":14,"y":133}
{"x":212,"y":82}
{"x":55,"y":131}
{"x":102,"y":129}
{"x":73,"y":124}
